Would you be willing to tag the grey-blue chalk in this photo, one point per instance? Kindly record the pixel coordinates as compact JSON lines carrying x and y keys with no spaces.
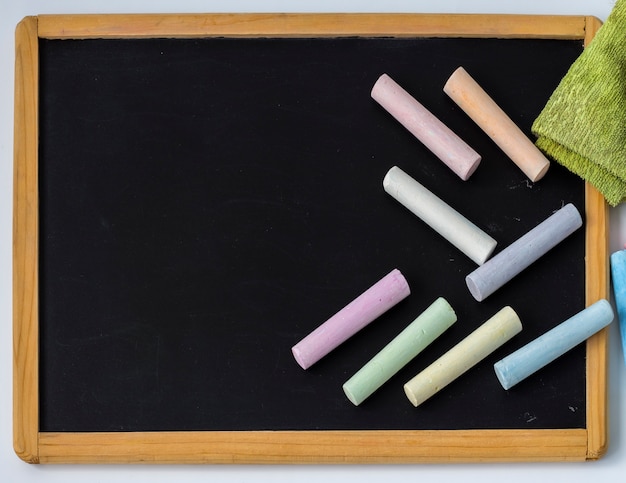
{"x":520,"y":254}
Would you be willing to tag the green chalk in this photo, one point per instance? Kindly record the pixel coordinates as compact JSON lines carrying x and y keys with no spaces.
{"x":394,"y":356}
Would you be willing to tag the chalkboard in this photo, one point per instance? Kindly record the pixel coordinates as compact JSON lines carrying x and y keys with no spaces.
{"x":205,"y":201}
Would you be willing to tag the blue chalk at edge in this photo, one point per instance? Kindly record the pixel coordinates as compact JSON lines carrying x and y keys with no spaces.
{"x":618,"y":275}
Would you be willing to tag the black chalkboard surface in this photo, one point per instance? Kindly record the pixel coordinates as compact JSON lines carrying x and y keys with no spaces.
{"x":204,"y":203}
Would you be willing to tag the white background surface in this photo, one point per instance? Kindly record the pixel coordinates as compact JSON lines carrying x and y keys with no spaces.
{"x":611,"y":468}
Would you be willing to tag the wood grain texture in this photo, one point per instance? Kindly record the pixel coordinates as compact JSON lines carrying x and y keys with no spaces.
{"x":333,"y":447}
{"x":277,"y":447}
{"x":596,"y":260}
{"x":25,"y":244}
{"x":290,"y":25}
{"x":597,"y":287}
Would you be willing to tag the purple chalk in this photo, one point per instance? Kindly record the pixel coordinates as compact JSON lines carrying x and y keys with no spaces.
{"x":368,"y":306}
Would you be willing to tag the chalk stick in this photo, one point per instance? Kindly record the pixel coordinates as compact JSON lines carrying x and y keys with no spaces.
{"x":618,"y":276}
{"x":429,"y":325}
{"x":483,"y":110}
{"x":442,"y":218}
{"x":537,"y":354}
{"x":367,"y":307}
{"x":500,"y":269}
{"x":420,"y":122}
{"x":466,"y":354}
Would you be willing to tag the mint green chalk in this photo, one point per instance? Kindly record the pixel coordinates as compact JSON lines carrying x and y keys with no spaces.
{"x":394,"y":356}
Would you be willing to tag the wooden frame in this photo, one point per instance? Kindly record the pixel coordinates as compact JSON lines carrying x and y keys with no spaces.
{"x":277,"y":446}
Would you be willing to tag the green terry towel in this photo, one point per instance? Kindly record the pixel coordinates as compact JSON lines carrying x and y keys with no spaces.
{"x":583,"y":125}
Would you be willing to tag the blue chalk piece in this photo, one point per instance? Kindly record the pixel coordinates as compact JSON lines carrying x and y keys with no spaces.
{"x":544,"y":349}
{"x":618,"y":276}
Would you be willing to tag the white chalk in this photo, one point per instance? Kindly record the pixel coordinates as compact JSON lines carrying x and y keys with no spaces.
{"x":420,"y":122}
{"x":366,"y":308}
{"x":446,"y":221}
{"x":489,"y":277}
{"x":463,"y":356}
{"x":430,"y":324}
{"x":470,"y":97}
{"x":540,"y":352}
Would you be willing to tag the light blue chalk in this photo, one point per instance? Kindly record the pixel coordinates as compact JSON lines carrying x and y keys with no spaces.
{"x":618,"y":275}
{"x":544,"y":349}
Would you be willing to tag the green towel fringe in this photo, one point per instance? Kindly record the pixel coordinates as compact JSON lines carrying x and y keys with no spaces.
{"x":583,"y":125}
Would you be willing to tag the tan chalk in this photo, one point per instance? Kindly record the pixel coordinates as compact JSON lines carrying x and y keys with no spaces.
{"x":483,"y":110}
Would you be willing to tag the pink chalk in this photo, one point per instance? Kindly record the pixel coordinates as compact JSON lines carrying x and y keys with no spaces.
{"x":368,"y":306}
{"x":420,"y":122}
